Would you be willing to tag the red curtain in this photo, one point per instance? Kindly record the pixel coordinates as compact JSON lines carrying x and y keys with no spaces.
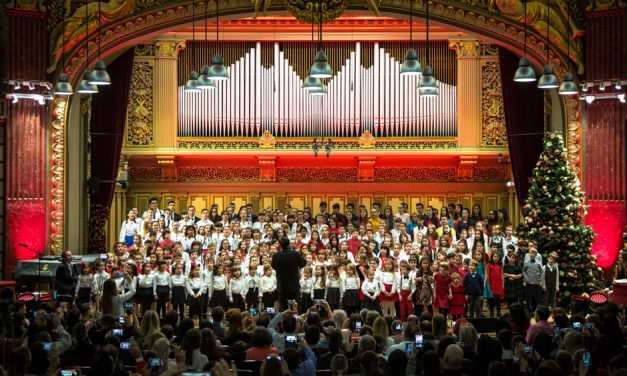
{"x":524,"y":119}
{"x":108,"y":119}
{"x":605,"y":151}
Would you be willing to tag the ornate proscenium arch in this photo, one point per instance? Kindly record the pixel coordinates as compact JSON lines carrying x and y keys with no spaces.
{"x":499,"y":21}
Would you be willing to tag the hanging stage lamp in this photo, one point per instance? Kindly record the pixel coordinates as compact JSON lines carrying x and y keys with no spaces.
{"x":411,"y":66}
{"x":191,"y":86}
{"x":99,"y":75}
{"x":321,"y":67}
{"x":218,"y":71}
{"x":428,"y":85}
{"x":85,"y":86}
{"x":204,"y":82}
{"x":63,"y":86}
{"x":568,"y":86}
{"x":525,"y":72}
{"x":312,"y":83}
{"x":548,"y":80}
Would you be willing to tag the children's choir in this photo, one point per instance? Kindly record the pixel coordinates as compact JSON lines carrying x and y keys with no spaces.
{"x":458,"y":263}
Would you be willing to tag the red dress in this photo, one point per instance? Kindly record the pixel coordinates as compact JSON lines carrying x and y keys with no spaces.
{"x":457,"y":303}
{"x":496,"y":279}
{"x":442,"y":284}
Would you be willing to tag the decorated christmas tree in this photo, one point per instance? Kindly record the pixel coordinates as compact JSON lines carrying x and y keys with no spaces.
{"x":553,"y":219}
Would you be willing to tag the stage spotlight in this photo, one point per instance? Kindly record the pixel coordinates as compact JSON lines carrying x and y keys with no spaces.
{"x":590,"y":99}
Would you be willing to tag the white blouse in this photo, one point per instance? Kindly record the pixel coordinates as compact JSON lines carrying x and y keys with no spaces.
{"x":145,"y":281}
{"x":351,"y":283}
{"x":306,"y":285}
{"x":177,"y":280}
{"x":219,"y":283}
{"x":266,"y":284}
{"x":195,"y":283}
{"x":370,"y":289}
{"x":237,"y":286}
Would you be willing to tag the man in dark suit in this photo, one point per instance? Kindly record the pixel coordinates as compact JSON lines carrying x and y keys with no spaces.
{"x":175,"y":216}
{"x":287,"y":265}
{"x":66,"y":278}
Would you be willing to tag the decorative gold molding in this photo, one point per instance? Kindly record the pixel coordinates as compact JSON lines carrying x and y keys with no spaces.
{"x":267,"y":140}
{"x":36,"y":5}
{"x":493,"y":131}
{"x":57,"y":174}
{"x":139,"y":120}
{"x":305,"y":144}
{"x":168,"y":49}
{"x":465,"y":48}
{"x":367,"y":140}
{"x":606,"y":4}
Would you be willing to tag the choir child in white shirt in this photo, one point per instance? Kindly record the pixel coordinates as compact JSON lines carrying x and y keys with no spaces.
{"x":129,"y":229}
{"x":207,"y":278}
{"x":306,"y":287}
{"x":370,"y":289}
{"x":237,"y":286}
{"x":162,"y":287}
{"x":251,"y":283}
{"x":350,"y":287}
{"x":196,"y":288}
{"x":267,"y":287}
{"x":85,"y":285}
{"x":319,"y":290}
{"x":145,"y":283}
{"x":178,"y":283}
{"x":100,"y":276}
{"x":333,"y":283}
{"x":404,"y":288}
{"x":192,"y":262}
{"x":218,"y":290}
{"x":388,"y":288}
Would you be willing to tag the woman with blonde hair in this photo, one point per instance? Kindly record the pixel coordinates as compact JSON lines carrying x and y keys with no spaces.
{"x":468,"y":340}
{"x":380,"y":326}
{"x":150,"y":324}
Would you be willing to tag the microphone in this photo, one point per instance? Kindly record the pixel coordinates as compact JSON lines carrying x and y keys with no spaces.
{"x":22,"y":245}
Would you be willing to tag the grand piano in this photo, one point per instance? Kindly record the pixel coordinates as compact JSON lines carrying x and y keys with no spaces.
{"x":43,"y":270}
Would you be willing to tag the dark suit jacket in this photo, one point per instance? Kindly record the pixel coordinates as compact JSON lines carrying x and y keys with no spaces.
{"x":176,"y":217}
{"x":65,"y":281}
{"x":287,"y":265}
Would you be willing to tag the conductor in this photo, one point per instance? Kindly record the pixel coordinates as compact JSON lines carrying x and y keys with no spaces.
{"x":66,"y":278}
{"x":287,"y":264}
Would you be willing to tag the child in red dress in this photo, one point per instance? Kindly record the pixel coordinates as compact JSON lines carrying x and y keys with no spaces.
{"x":388,"y":284}
{"x":443,"y":288}
{"x":495,"y":279}
{"x":458,"y":300}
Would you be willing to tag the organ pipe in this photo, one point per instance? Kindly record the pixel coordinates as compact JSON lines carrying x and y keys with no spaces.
{"x":366,"y":93}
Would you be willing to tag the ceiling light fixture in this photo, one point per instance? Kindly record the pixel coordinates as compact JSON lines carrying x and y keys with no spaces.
{"x":85,"y":86}
{"x":548,"y":80}
{"x":411,"y":66}
{"x":99,"y":75}
{"x":218,"y":71}
{"x":321,"y":67}
{"x":525,"y":72}
{"x":568,"y":86}
{"x":312,"y":83}
{"x":427,"y":85}
{"x":191,"y":86}
{"x":204,"y":82}
{"x":63,"y":86}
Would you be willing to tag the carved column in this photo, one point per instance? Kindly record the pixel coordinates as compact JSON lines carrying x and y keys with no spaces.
{"x":165,"y":91}
{"x":468,"y":92}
